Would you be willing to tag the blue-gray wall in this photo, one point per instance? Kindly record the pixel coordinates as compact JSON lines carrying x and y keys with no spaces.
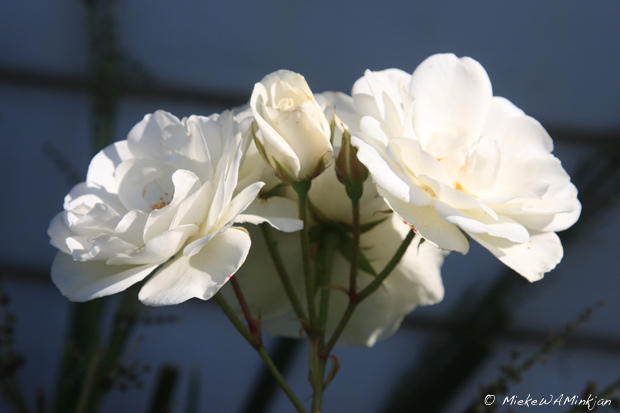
{"x":558,"y":60}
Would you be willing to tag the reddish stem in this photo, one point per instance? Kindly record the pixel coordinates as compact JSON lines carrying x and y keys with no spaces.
{"x":254,"y":329}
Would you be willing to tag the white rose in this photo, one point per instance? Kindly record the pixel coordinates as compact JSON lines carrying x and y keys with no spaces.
{"x":278,"y":211}
{"x":449,"y":158}
{"x":292,"y":131}
{"x":415,"y":281}
{"x":167,"y":196}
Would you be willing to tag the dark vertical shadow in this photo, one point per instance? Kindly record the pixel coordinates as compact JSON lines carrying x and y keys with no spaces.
{"x":167,"y":380}
{"x":86,"y":318}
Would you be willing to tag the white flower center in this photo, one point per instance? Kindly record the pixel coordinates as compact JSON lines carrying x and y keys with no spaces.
{"x":473,"y":167}
{"x":285,"y":104}
{"x":286,"y":97}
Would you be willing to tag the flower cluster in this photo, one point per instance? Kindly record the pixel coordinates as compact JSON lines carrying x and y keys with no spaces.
{"x":433,"y":152}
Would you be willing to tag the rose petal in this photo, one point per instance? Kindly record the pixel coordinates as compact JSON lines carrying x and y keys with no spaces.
{"x":430,"y":225}
{"x":58,"y":231}
{"x":102,"y":166}
{"x":199,"y":276}
{"x":268,"y":137}
{"x":371,"y":91}
{"x":279,"y":212}
{"x":476,"y":222}
{"x":240,"y":203}
{"x":384,"y":175}
{"x":451,"y":97}
{"x":147,"y":138}
{"x":158,"y":248}
{"x":159,"y":220}
{"x":83,"y":281}
{"x":530,"y":259}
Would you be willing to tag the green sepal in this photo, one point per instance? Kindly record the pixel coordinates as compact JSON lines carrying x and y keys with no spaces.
{"x":324,"y":221}
{"x":321,"y":165}
{"x":370,"y":225}
{"x":301,"y":187}
{"x":281,"y":172}
{"x":354,"y":190}
{"x":332,"y":129}
{"x":278,"y":190}
{"x":258,"y":143}
{"x":345,"y":247}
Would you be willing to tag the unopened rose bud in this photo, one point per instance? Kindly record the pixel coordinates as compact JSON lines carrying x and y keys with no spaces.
{"x":291,"y":131}
{"x":349,"y":170}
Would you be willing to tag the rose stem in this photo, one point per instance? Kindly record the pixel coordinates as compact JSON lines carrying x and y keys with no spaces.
{"x":262,"y":352}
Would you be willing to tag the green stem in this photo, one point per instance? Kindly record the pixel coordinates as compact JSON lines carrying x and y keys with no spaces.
{"x":317,"y":400}
{"x":317,"y":396}
{"x":366,"y":291}
{"x":317,"y":375}
{"x":283,"y":353}
{"x":314,"y":332}
{"x":330,"y":244}
{"x":355,"y":247}
{"x":227,"y":309}
{"x":302,"y":189}
{"x":89,"y":382}
{"x":346,"y":316}
{"x":323,"y":271}
{"x":281,"y":271}
{"x":262,"y":352}
{"x":317,"y":359}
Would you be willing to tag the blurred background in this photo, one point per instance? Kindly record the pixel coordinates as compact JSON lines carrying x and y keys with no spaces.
{"x":76,"y":75}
